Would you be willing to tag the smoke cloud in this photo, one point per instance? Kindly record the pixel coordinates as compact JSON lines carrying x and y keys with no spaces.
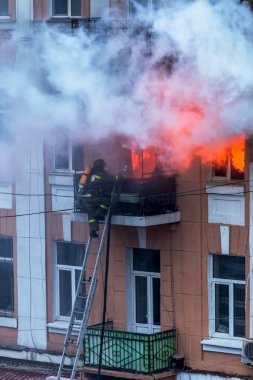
{"x":193,"y":92}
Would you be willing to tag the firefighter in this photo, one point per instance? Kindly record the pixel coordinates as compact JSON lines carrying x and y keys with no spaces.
{"x":99,"y":187}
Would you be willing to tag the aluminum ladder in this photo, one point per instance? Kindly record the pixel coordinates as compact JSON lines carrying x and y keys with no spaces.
{"x":82,"y":307}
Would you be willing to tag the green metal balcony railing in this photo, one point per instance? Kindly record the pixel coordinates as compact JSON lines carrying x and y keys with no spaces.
{"x":132,"y":352}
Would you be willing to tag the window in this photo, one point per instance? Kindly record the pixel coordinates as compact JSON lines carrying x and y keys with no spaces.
{"x":6,"y":277}
{"x":4,"y":8}
{"x":69,"y":260}
{"x":146,"y":290}
{"x":66,"y":8}
{"x":68,"y":156}
{"x":139,"y":5}
{"x":228,"y":296}
{"x":230,"y":163}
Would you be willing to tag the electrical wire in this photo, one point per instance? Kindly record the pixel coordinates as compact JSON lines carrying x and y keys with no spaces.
{"x":219,"y":185}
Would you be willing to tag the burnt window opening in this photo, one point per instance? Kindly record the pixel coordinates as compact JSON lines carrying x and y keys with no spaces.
{"x":231,"y":163}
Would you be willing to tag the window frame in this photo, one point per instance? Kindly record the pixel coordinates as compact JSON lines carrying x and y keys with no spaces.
{"x":148,"y":327}
{"x":70,"y":168}
{"x":230,"y":283}
{"x":70,"y":268}
{"x":4,"y":260}
{"x":68,"y":15}
{"x":150,"y":8}
{"x":228,"y":170}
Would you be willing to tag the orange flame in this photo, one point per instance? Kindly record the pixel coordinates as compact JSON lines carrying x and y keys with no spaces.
{"x":143,"y":161}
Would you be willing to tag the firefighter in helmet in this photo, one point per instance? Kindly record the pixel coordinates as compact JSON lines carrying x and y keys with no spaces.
{"x":99,"y":188}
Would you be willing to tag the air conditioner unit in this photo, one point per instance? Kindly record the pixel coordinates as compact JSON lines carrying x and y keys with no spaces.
{"x":247,"y":352}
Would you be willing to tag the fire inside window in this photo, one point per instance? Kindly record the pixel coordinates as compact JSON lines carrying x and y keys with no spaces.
{"x":230,"y":163}
{"x":144,"y":163}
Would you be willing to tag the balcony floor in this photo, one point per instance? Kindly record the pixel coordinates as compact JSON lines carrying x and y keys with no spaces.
{"x":170,"y":375}
{"x":135,"y":221}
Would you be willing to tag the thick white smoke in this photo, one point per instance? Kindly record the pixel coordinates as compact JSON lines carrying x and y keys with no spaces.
{"x":195,"y":89}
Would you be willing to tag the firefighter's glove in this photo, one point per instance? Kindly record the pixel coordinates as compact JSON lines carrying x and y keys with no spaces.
{"x":80,"y":188}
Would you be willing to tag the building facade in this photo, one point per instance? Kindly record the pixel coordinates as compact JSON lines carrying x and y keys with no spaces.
{"x":187,"y":269}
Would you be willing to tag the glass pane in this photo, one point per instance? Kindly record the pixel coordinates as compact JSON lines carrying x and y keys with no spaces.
{"x":6,"y":286}
{"x":146,"y":260}
{"x":81,"y":301}
{"x":239,"y":310}
{"x":65,"y":293}
{"x":60,"y":7}
{"x":4,"y":7}
{"x":221,"y":308}
{"x":70,"y":254}
{"x":62,"y":155}
{"x":229,"y":267}
{"x":141,"y":299}
{"x":75,"y":7}
{"x":77,"y":157}
{"x":6,"y":247}
{"x":156,"y":301}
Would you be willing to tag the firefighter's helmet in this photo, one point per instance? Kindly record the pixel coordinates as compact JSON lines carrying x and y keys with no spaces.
{"x":99,"y":164}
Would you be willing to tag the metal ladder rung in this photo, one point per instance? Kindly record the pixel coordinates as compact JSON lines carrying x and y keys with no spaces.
{"x":82,"y":297}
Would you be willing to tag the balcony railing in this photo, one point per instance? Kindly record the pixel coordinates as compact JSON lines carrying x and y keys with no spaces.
{"x":139,"y":197}
{"x":104,"y":29}
{"x":127,"y":351}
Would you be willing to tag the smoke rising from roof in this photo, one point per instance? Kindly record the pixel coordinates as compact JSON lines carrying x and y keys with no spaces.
{"x":193,"y":92}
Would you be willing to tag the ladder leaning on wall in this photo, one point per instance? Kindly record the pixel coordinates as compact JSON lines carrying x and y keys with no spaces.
{"x":83,"y":301}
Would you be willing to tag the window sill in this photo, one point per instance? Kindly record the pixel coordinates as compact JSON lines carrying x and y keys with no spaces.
{"x":58,"y":327}
{"x":63,"y":178}
{"x":228,"y":346}
{"x":8,"y":322}
{"x":225,"y":189}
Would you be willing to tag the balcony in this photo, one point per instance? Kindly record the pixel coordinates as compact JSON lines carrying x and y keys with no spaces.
{"x":128,"y":351}
{"x":102,"y":30}
{"x":142,"y":202}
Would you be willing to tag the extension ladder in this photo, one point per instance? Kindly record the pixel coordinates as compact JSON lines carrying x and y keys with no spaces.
{"x":82,"y":307}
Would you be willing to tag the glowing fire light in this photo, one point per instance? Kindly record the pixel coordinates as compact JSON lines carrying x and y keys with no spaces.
{"x":143,"y":161}
{"x":234,"y":154}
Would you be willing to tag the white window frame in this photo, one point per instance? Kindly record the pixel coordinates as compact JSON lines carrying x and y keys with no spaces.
{"x":70,"y":168}
{"x":7,"y":17}
{"x":7,"y":313}
{"x":212,"y":281}
{"x":68,"y":11}
{"x":70,"y":269}
{"x":150,"y":327}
